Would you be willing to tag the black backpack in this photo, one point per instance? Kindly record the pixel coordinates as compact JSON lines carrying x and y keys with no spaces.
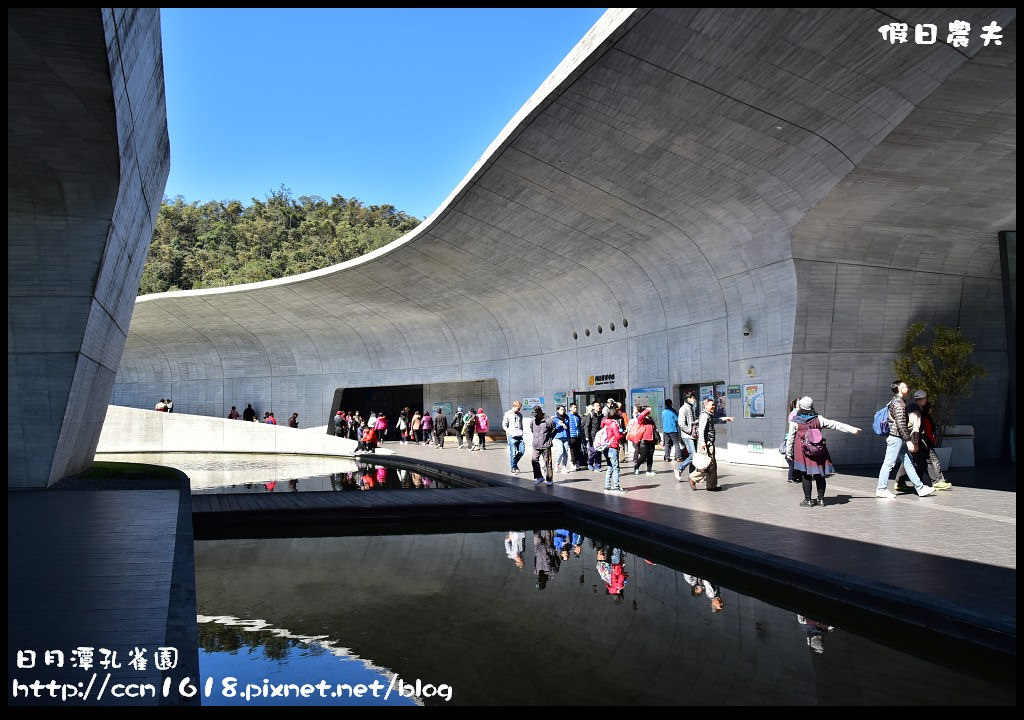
{"x":457,"y":421}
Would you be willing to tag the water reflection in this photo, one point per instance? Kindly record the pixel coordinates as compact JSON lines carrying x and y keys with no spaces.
{"x":269,"y":662}
{"x":239,"y":473}
{"x":444,"y":607}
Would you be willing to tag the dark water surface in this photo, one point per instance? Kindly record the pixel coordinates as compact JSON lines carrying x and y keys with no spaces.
{"x":583,"y":624}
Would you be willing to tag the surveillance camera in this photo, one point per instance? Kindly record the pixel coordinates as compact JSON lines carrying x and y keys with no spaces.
{"x":746,"y":328}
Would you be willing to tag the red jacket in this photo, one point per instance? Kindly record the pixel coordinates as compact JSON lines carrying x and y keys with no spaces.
{"x":370,"y":436}
{"x":646,"y":425}
{"x":611,"y":428}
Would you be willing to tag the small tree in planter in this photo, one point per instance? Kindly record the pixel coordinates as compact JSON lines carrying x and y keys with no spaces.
{"x":942,"y":369}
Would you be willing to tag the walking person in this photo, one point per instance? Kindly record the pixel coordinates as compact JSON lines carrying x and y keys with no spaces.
{"x":591,"y":426}
{"x":293,"y":421}
{"x":248,"y":415}
{"x":426,"y":427}
{"x":670,"y":432}
{"x":706,"y":444}
{"x":469,"y":428}
{"x":807,"y":452}
{"x":339,"y":424}
{"x":561,"y":440}
{"x":899,"y":442}
{"x":482,"y":427}
{"x":688,"y":430}
{"x":575,"y":437}
{"x":613,"y":437}
{"x":402,"y":425}
{"x":381,"y":427}
{"x":440,"y":428}
{"x":644,"y":440}
{"x":543,"y":432}
{"x":512,"y":424}
{"x":925,"y":459}
{"x":417,"y":427}
{"x":458,"y":421}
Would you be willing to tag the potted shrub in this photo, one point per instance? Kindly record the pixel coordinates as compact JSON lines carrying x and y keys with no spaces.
{"x":942,"y":369}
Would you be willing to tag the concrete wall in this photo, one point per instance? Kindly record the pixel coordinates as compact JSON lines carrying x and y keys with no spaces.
{"x":147,"y":431}
{"x":683,"y":172}
{"x":88,"y":157}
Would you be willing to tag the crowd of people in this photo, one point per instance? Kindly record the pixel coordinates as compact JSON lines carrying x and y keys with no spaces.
{"x":600,"y":438}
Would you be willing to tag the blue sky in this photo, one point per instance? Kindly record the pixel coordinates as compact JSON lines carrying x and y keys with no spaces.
{"x":387,"y":106}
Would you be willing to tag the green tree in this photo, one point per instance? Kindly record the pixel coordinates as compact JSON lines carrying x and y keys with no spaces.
{"x":942,"y":369}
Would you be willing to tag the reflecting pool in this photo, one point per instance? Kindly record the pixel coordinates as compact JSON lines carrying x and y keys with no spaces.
{"x":536,"y":617}
{"x":241,"y":473}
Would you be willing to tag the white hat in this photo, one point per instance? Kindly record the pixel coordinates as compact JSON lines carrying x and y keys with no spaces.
{"x":806,"y":403}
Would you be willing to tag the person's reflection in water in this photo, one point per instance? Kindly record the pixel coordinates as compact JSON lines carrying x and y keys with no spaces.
{"x":271,"y":485}
{"x":563,"y":539}
{"x":545,"y":558}
{"x":335,"y":481}
{"x":417,"y":480}
{"x":293,"y":485}
{"x":577,"y":544}
{"x":382,"y":477}
{"x":610,"y":568}
{"x":815,"y":633}
{"x":403,"y":477}
{"x":700,"y":587}
{"x":515,"y":545}
{"x":366,"y":481}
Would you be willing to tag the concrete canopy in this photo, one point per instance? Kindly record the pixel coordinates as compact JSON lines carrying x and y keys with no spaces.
{"x":682,"y":173}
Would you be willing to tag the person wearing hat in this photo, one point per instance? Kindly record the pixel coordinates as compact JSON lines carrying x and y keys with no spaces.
{"x":925,"y":460}
{"x":481,"y":429}
{"x":458,"y":422}
{"x":543,"y":430}
{"x":339,"y":422}
{"x":899,"y":442}
{"x":806,"y":447}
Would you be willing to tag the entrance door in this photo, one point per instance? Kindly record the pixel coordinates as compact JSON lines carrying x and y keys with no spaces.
{"x":585,"y":398}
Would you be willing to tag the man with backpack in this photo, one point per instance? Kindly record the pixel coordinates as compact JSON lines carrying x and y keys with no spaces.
{"x":458,"y":421}
{"x":898,"y":442}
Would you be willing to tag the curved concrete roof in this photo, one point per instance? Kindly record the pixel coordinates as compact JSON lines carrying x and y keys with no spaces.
{"x":677,"y":171}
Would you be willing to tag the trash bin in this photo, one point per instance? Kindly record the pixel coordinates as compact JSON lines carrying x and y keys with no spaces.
{"x":960,"y":440}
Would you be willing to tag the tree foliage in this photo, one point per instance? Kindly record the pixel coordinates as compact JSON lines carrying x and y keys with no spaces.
{"x":216,"y":244}
{"x":942,"y":369}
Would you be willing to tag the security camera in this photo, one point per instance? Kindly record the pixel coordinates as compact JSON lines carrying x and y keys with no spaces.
{"x":746,"y":329}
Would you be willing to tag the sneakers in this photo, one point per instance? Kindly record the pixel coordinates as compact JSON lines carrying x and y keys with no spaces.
{"x":619,"y":489}
{"x":884,"y":494}
{"x":902,"y":487}
{"x":820,"y":502}
{"x":538,"y":481}
{"x":652,"y":473}
{"x":636,"y":471}
{"x":806,"y":502}
{"x":942,"y":485}
{"x":679,"y":475}
{"x":515,"y":471}
{"x":550,"y":482}
{"x":925,"y":490}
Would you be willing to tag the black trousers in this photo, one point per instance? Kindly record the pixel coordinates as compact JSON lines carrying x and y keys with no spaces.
{"x":644,"y":453}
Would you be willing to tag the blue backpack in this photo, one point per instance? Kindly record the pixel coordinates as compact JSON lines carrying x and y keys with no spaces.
{"x":880,"y":424}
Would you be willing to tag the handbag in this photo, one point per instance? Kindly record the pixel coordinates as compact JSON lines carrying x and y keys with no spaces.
{"x":782,"y":445}
{"x":701,"y":461}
